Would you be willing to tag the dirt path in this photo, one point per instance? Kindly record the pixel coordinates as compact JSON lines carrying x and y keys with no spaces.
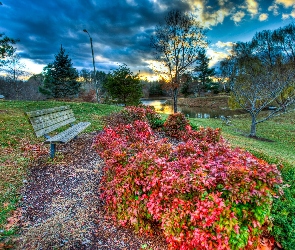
{"x":62,"y":209}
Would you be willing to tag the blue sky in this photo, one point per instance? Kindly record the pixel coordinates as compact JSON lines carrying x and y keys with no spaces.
{"x":121,"y":29}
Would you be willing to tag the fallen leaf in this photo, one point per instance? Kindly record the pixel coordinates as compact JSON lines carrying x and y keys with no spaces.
{"x":14,"y":219}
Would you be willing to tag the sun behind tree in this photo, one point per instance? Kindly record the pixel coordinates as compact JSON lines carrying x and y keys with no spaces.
{"x":177,"y":44}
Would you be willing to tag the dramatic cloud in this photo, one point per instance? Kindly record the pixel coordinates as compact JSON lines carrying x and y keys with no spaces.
{"x":211,"y":15}
{"x":121,"y":29}
{"x":291,"y":15}
{"x":287,"y":4}
{"x":219,"y":51}
{"x":216,"y":57}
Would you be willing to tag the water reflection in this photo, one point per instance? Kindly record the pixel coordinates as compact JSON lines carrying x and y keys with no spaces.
{"x":159,"y":105}
{"x":193,"y":112}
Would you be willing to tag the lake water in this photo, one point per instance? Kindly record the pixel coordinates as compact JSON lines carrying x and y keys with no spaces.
{"x":193,"y":112}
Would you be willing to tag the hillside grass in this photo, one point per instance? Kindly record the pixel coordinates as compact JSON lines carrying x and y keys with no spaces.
{"x":277,"y":136}
{"x":279,"y":146}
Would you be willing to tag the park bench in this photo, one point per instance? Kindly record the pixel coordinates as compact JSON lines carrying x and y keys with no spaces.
{"x":48,"y":120}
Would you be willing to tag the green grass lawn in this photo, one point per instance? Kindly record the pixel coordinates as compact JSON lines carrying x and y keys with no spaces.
{"x":14,"y":128}
{"x":279,"y":132}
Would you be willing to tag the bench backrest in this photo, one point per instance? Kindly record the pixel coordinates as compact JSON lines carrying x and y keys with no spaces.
{"x":47,"y":120}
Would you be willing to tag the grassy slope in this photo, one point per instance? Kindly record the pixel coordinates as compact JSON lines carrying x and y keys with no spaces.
{"x":280,"y":130}
{"x":14,"y":128}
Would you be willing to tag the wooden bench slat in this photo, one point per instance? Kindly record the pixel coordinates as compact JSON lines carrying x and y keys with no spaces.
{"x":47,"y":130}
{"x":68,"y":134}
{"x":49,"y":117}
{"x":48,"y":122}
{"x":47,"y":111}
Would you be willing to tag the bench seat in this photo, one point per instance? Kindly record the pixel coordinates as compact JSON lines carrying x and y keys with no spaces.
{"x":48,"y":120}
{"x":68,"y":134}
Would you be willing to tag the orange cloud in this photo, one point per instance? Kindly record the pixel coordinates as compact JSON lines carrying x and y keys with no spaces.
{"x":238,"y":16}
{"x":252,"y":7}
{"x":263,"y":17}
{"x":286,"y":3}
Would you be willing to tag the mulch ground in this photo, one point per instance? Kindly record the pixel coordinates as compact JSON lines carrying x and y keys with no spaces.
{"x":62,"y":209}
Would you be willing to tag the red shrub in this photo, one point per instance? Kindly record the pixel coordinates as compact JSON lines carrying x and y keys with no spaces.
{"x":131,"y":113}
{"x":89,"y":96}
{"x":203,"y":134}
{"x":176,"y":125}
{"x":202,"y":193}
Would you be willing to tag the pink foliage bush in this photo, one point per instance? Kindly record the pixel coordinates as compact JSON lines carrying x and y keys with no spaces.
{"x":176,"y":125}
{"x":131,"y":113}
{"x":201,"y":193}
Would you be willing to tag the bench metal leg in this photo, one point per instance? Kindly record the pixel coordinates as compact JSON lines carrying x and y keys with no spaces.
{"x":52,"y":150}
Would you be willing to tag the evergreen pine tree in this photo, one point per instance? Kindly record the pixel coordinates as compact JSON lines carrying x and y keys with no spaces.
{"x":204,"y":73}
{"x":60,"y":78}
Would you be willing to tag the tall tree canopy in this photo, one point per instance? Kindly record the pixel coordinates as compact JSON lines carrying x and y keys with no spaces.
{"x":123,"y":86}
{"x":60,"y":78}
{"x":261,"y":72}
{"x":177,"y":44}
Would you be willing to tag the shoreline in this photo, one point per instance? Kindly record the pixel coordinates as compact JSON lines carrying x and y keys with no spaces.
{"x":220,"y":102}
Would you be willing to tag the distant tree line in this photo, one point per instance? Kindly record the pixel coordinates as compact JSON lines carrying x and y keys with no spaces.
{"x":60,"y":79}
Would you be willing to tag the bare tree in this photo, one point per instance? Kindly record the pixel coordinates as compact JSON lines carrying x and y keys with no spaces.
{"x":22,"y":90}
{"x":259,"y":73}
{"x":14,"y":68}
{"x":15,"y":72}
{"x":6,"y":48}
{"x":85,"y":74}
{"x":177,"y":44}
{"x":285,"y":39}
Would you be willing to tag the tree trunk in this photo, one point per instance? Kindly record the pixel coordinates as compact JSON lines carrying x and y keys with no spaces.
{"x":174,"y":95}
{"x":97,"y":92}
{"x":253,"y":126}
